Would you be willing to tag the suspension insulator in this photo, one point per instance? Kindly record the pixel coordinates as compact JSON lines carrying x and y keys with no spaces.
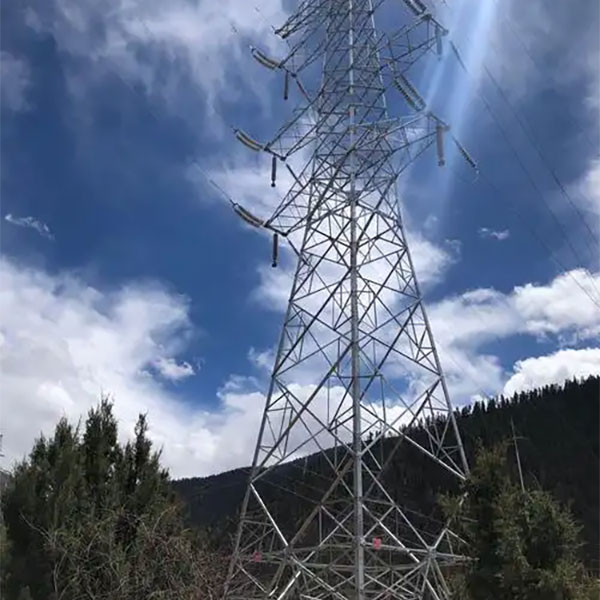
{"x":247,"y":140}
{"x":247,"y":216}
{"x":420,"y":5}
{"x":412,"y":90}
{"x":275,"y":250}
{"x":468,"y":158}
{"x":286,"y":85}
{"x":273,"y":170}
{"x":438,"y":40}
{"x":409,"y":86}
{"x":409,"y":99}
{"x":439,"y":138}
{"x":263,"y":59}
{"x":412,"y":5}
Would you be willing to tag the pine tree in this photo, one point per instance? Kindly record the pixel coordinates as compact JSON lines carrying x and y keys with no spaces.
{"x":524,"y":544}
{"x":88,"y":518}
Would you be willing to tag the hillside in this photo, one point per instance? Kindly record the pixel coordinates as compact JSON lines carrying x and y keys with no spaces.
{"x":557,"y":427}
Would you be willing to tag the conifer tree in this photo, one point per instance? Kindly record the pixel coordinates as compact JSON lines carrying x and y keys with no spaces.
{"x":524,"y":545}
{"x":89,"y":518}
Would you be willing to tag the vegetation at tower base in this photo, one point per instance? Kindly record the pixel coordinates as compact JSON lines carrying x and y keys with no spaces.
{"x":524,"y":544}
{"x":557,"y":431}
{"x":86,"y":517}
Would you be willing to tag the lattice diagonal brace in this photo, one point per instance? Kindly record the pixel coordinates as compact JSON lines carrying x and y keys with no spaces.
{"x":357,"y":382}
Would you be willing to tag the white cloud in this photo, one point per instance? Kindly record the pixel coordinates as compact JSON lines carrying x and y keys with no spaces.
{"x":31,"y":223}
{"x":170,"y":369}
{"x":587,"y":191}
{"x":431,"y":261}
{"x":560,"y":307}
{"x":486,"y":232}
{"x":463,"y":324}
{"x":262,"y":359}
{"x":531,"y":47}
{"x":63,"y":343}
{"x":553,"y":368}
{"x":16,"y":79}
{"x":201,"y":41}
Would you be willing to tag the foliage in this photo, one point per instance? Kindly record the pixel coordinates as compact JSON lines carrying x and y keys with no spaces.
{"x":86,"y":517}
{"x":557,"y":427}
{"x":89,"y":518}
{"x":524,"y":543}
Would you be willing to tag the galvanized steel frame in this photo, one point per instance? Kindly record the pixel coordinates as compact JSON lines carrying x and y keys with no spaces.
{"x":356,"y":363}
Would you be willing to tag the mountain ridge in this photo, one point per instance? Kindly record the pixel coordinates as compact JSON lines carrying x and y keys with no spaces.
{"x":557,"y":435}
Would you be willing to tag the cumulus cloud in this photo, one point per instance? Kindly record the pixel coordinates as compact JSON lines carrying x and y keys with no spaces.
{"x":16,"y":80}
{"x":559,"y":307}
{"x":170,"y":369}
{"x":553,"y":368}
{"x":262,"y":359}
{"x":432,"y":260}
{"x":463,"y":324}
{"x":63,"y":343}
{"x":486,"y":232}
{"x":31,"y":223}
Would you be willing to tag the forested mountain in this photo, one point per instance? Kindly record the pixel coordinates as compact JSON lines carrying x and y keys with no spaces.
{"x":557,"y":434}
{"x":86,"y":516}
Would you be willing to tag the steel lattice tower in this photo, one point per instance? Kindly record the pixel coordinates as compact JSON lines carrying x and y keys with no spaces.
{"x":357,"y":380}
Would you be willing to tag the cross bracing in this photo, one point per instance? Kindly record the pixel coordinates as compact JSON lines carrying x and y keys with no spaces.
{"x":356,"y":368}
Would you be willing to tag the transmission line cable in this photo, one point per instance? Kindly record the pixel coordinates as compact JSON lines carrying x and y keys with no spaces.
{"x":539,"y":193}
{"x":562,"y":269}
{"x":546,"y":163}
{"x":519,"y":38}
{"x":530,"y":136}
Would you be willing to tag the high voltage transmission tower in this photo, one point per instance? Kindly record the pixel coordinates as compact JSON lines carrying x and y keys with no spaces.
{"x":357,"y":380}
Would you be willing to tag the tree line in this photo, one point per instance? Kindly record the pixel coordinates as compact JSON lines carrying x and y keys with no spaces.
{"x":556,"y":429}
{"x":84,"y":516}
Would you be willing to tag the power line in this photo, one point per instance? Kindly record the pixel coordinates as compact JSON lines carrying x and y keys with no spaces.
{"x":519,"y":38}
{"x":562,"y":269}
{"x":534,"y":143}
{"x":522,"y":165}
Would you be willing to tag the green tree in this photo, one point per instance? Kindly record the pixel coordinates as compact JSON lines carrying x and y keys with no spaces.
{"x":89,"y":518}
{"x":524,"y":544}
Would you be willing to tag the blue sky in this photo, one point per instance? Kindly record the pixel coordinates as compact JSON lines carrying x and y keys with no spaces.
{"x":124,"y":271}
